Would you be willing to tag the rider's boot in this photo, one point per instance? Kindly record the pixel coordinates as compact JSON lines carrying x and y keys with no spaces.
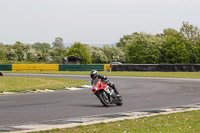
{"x":115,"y":89}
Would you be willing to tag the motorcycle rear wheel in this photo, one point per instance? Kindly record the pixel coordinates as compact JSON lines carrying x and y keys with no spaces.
{"x":104,"y":98}
{"x":119,"y":101}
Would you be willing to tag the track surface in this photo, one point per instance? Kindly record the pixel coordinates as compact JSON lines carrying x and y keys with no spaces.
{"x":138,"y":94}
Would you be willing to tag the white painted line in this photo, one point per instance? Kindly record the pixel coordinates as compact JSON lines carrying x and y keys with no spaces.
{"x":74,"y":89}
{"x":40,"y":91}
{"x":87,"y":86}
{"x":7,"y":93}
{"x":47,"y":90}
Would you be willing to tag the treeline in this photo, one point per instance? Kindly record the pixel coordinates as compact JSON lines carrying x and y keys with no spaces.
{"x":45,"y":53}
{"x":171,"y":46}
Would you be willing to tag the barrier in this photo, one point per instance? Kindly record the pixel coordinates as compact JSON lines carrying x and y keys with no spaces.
{"x":35,"y":67}
{"x":107,"y":67}
{"x":158,"y":67}
{"x":81,"y":67}
{"x":5,"y":67}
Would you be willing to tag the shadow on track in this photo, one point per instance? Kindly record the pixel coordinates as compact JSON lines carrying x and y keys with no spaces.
{"x":90,"y":105}
{"x":94,"y":105}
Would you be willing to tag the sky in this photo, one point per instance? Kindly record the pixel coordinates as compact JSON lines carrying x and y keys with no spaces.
{"x":91,"y":21}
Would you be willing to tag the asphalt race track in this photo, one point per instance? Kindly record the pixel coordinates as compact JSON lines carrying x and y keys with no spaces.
{"x":138,"y":94}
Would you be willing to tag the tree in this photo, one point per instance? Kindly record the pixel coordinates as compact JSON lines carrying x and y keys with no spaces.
{"x":97,"y":54}
{"x":2,"y":55}
{"x":114,"y":54}
{"x":198,"y":52}
{"x":10,"y":54}
{"x":55,"y":55}
{"x":21,"y":50}
{"x":44,"y":47}
{"x":123,"y":41}
{"x":79,"y":50}
{"x":34,"y":56}
{"x":191,"y":32}
{"x":58,"y":43}
{"x":171,"y":32}
{"x":1,"y":45}
{"x":191,"y":37}
{"x":174,"y":51}
{"x":143,"y":48}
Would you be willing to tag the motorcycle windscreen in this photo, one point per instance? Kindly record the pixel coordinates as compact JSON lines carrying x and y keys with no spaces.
{"x":95,"y":81}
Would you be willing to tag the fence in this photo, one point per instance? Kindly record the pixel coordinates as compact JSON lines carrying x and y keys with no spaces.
{"x":107,"y":67}
{"x":35,"y":67}
{"x":136,"y":67}
{"x":159,"y":67}
{"x":5,"y":67}
{"x":51,"y":67}
{"x":81,"y":67}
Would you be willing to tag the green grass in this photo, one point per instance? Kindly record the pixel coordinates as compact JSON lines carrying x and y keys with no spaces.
{"x":129,"y":74}
{"x":12,"y":84}
{"x":186,"y":122}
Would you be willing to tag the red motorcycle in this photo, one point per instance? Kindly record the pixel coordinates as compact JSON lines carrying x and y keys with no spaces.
{"x":105,"y":93}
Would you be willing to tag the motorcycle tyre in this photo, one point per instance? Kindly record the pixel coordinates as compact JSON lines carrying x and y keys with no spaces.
{"x":102,"y":99}
{"x":119,"y":101}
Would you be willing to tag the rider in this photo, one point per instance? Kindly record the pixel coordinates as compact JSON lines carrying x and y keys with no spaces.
{"x":94,"y":75}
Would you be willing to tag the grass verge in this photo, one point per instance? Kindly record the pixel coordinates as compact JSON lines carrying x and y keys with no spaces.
{"x":185,"y":122}
{"x":124,"y":73}
{"x":12,"y":84}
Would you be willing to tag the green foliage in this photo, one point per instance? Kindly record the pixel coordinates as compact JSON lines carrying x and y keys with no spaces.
{"x":22,"y":52}
{"x":114,"y":54}
{"x":55,"y":55}
{"x":171,"y":32}
{"x":10,"y":54}
{"x":44,"y":47}
{"x":191,"y":32}
{"x":106,"y":54}
{"x":171,"y":46}
{"x":79,"y":50}
{"x":2,"y":55}
{"x":191,"y":38}
{"x":123,"y":41}
{"x":174,"y":51}
{"x":97,"y":54}
{"x":143,"y":48}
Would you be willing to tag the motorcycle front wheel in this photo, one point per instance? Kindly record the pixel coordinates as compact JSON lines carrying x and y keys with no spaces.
{"x":104,"y":98}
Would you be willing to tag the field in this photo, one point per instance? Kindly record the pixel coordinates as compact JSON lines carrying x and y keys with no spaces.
{"x":13,"y":84}
{"x":125,"y":73}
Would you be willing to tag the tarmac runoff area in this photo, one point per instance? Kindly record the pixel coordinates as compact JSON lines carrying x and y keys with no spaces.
{"x":88,"y":120}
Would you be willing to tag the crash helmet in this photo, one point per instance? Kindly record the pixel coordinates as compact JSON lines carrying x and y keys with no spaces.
{"x":93,"y":74}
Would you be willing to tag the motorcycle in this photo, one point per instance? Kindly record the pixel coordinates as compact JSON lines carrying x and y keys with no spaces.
{"x":105,"y":93}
